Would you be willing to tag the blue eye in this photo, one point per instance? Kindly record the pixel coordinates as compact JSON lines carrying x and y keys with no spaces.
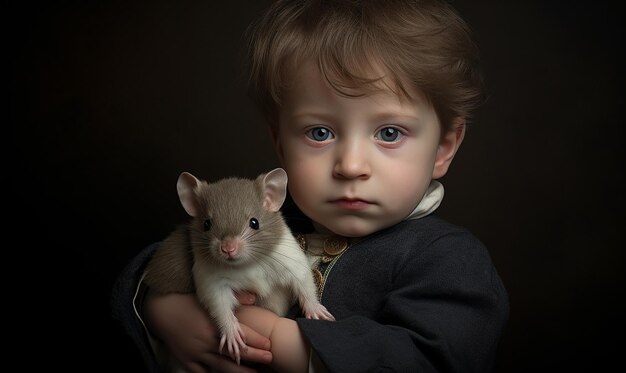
{"x":319,"y":134}
{"x":389,"y":134}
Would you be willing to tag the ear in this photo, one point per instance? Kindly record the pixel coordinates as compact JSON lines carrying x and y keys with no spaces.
{"x":186,"y":186}
{"x":448,"y":146}
{"x":274,"y":189}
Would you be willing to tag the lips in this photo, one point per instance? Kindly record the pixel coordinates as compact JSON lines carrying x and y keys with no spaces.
{"x":351,"y":203}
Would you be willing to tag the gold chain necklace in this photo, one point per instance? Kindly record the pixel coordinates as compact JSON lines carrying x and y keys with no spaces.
{"x":326,"y":250}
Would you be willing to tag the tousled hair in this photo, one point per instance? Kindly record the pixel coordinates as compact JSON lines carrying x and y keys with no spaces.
{"x":360,"y":44}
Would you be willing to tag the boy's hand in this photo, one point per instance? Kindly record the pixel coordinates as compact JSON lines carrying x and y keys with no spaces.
{"x":288,"y":343}
{"x":181,"y":323}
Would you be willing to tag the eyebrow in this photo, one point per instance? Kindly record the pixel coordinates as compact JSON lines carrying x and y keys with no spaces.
{"x":381,"y":117}
{"x":305,"y":114}
{"x":384,"y":117}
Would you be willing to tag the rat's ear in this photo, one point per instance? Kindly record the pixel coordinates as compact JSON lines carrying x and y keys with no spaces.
{"x":274,"y":189}
{"x":186,"y":187}
{"x":448,"y":146}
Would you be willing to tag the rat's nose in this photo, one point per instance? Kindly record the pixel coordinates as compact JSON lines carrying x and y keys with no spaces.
{"x":229,"y":247}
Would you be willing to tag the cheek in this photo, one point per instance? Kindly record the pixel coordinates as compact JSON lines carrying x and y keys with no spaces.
{"x":403,"y":186}
{"x":306,"y":180}
{"x":305,"y":195}
{"x":299,"y":161}
{"x":405,"y":179}
{"x":417,"y":158}
{"x":424,"y":156}
{"x":303,"y":178}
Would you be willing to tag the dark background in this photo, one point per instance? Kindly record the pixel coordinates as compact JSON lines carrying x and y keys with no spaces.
{"x":108,"y":101}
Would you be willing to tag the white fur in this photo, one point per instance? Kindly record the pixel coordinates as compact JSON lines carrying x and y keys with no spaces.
{"x":278,"y":281}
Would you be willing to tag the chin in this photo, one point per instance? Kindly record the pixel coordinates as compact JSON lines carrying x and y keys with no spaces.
{"x":353,"y":228}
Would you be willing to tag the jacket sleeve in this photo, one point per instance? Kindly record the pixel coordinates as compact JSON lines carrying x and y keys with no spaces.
{"x":124,"y":293}
{"x":445,"y":313}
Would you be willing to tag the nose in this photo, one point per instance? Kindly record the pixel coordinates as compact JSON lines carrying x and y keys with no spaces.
{"x":230,"y":247}
{"x":351,"y":161}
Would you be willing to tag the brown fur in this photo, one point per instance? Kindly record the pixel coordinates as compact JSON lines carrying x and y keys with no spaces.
{"x":169,"y":270}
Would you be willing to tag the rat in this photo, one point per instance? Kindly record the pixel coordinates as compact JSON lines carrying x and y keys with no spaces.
{"x":236,"y":240}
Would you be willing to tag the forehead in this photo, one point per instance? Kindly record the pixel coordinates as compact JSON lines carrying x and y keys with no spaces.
{"x":310,"y":90}
{"x":354,"y":80}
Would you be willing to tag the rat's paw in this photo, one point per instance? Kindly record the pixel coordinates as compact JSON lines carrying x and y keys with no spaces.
{"x":317,"y":311}
{"x":234,"y":340}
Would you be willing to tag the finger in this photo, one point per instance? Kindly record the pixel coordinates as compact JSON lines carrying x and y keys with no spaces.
{"x":257,"y":347}
{"x":245,"y":297}
{"x":256,"y":355}
{"x":255,"y":339}
{"x":223,"y":364}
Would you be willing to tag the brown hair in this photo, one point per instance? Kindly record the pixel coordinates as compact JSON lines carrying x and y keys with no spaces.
{"x":421,"y":43}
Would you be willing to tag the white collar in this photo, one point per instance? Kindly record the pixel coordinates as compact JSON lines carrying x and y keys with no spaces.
{"x":429,"y":203}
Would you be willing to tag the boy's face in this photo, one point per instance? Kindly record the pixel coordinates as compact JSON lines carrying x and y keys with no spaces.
{"x":356,"y":165}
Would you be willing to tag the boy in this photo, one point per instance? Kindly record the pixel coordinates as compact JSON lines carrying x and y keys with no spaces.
{"x":367,"y":102}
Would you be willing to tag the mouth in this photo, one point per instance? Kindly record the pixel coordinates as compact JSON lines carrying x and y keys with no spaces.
{"x":351,"y":203}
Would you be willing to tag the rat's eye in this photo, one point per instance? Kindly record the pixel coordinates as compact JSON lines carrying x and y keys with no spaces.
{"x":207,"y":225}
{"x":254,"y":223}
